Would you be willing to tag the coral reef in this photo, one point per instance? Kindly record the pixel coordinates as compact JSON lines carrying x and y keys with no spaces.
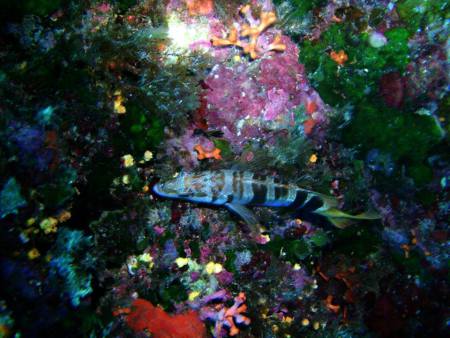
{"x":102,"y":100}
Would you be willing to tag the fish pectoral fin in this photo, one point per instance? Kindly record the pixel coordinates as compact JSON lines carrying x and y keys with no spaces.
{"x":246,"y":214}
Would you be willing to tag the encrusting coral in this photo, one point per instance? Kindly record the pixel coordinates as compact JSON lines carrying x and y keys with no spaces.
{"x":143,"y":315}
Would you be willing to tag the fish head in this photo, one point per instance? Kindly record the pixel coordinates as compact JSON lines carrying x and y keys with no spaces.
{"x":186,"y":186}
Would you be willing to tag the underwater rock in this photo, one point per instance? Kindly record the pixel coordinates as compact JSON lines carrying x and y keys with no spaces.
{"x":392,"y":87}
{"x":378,"y":161}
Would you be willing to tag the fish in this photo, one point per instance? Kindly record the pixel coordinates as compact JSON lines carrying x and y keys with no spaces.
{"x":237,"y":190}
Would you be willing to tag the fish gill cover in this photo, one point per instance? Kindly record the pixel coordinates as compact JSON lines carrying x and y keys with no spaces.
{"x":102,"y":101}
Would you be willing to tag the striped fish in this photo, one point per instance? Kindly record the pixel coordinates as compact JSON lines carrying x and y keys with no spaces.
{"x":236,"y":190}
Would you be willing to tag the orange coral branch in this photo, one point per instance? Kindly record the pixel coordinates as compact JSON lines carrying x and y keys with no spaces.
{"x":252,"y":32}
{"x":231,"y":40}
{"x":330,"y":306}
{"x":340,"y":57}
{"x":277,"y":45}
{"x":121,"y":311}
{"x":202,"y":153}
{"x":233,"y":311}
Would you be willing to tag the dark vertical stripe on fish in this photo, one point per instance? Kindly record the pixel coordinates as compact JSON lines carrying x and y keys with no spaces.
{"x":281,"y":193}
{"x":214,"y":196}
{"x":313,"y":204}
{"x":219,"y":182}
{"x":259,"y":193}
{"x":299,"y":199}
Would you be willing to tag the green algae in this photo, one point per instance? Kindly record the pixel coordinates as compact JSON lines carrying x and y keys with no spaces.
{"x":302,"y":7}
{"x":35,"y":7}
{"x":142,"y":130}
{"x":418,"y":14}
{"x":393,"y":132}
{"x":358,"y":77}
{"x":357,"y":81}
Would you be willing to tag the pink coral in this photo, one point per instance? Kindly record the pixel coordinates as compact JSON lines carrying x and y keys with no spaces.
{"x":283,"y":71}
{"x":250,"y":100}
{"x":277,"y":104}
{"x":234,"y":92}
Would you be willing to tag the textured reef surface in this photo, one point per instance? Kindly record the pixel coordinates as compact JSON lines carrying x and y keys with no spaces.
{"x":103,"y":100}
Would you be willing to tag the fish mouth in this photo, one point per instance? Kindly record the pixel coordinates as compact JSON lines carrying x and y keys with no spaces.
{"x":157,"y":190}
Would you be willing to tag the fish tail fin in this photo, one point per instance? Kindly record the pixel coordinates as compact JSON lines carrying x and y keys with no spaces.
{"x":342,"y":219}
{"x":340,"y":223}
{"x":329,"y":201}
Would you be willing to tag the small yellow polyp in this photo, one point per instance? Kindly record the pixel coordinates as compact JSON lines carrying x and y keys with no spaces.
{"x":212,"y":267}
{"x":181,"y":261}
